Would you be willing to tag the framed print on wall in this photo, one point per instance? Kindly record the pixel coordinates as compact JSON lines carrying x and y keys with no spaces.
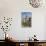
{"x":26,"y":19}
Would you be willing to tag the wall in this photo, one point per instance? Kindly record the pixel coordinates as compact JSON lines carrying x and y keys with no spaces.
{"x":45,"y":28}
{"x":13,"y":8}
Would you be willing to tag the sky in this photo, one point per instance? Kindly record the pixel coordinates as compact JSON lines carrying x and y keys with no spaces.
{"x":26,"y":13}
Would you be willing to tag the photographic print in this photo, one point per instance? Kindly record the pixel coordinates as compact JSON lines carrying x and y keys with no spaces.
{"x":26,"y":19}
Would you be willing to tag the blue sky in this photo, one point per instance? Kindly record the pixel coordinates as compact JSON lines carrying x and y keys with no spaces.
{"x":26,"y":13}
